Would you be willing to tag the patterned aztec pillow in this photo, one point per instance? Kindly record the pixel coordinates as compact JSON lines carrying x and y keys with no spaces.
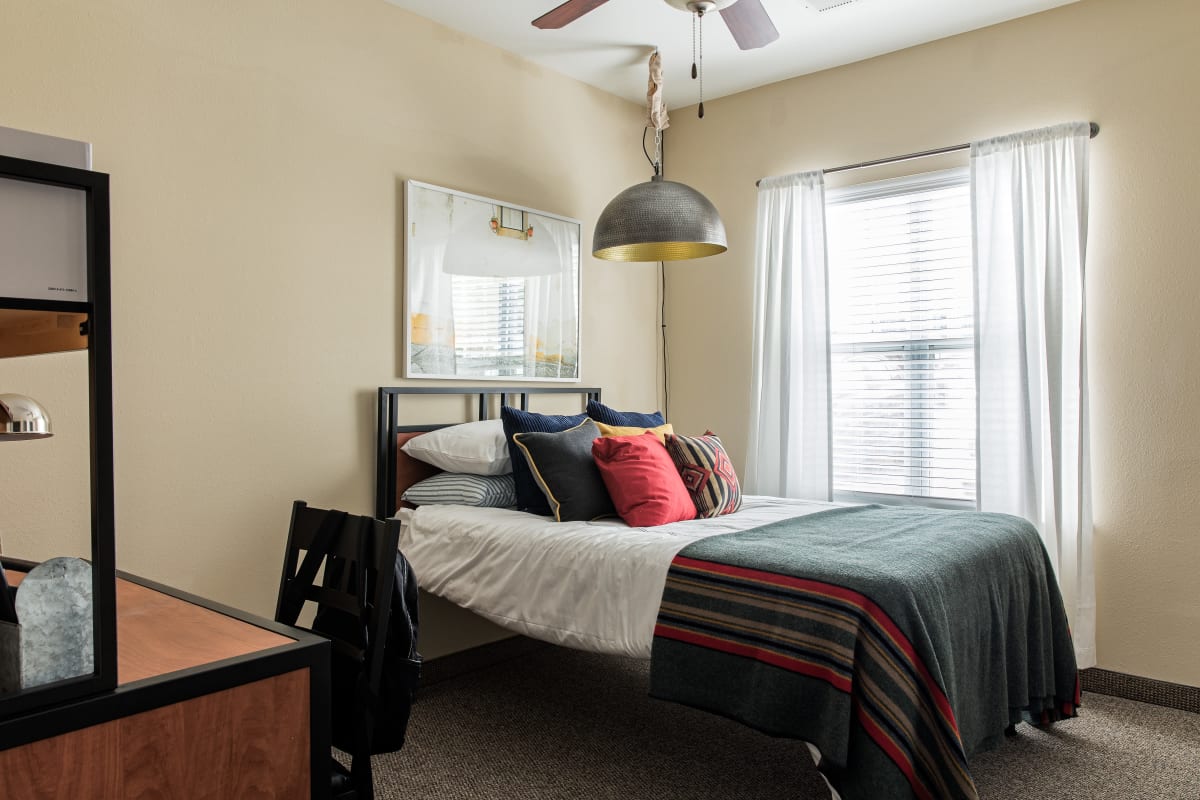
{"x":707,"y":473}
{"x":461,"y":489}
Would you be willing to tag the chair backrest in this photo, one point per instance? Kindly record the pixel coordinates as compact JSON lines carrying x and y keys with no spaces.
{"x":354,"y":601}
{"x":359,"y":560}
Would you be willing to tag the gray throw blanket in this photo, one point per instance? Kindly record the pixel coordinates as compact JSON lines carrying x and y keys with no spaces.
{"x":898,"y":640}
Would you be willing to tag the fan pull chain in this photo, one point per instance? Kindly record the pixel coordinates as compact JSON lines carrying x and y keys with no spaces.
{"x":701,"y":26}
{"x":694,"y":16}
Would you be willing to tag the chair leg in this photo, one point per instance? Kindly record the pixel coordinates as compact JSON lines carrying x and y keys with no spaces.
{"x":341,"y":782}
{"x":362,"y":777}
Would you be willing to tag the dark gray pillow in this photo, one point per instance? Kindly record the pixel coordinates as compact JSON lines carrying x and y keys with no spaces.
{"x":562,"y":466}
{"x":529,"y":495}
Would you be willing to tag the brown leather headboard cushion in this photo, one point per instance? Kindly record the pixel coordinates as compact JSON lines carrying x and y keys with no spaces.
{"x":408,"y":469}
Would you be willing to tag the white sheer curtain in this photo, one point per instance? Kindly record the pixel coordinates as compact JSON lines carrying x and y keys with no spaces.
{"x":789,"y":449}
{"x":551,"y":303}
{"x":431,"y":294}
{"x":1030,"y":198}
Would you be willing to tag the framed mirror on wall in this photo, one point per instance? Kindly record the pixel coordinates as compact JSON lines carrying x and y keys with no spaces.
{"x":58,"y":590}
{"x":491,"y":289}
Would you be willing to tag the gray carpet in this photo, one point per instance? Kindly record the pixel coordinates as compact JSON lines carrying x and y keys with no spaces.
{"x":561,"y":724}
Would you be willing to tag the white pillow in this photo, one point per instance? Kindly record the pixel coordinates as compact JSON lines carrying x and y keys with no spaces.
{"x":474,"y":448}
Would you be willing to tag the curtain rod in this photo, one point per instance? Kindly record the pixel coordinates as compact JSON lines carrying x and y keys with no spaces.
{"x":1095,"y":129}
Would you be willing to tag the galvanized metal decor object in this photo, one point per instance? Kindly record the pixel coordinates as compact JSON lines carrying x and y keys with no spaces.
{"x":54,"y":639}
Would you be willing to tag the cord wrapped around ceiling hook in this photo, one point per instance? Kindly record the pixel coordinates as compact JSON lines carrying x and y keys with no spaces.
{"x":656,"y":109}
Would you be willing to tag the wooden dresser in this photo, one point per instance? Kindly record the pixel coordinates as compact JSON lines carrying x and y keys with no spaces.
{"x":211,"y":702}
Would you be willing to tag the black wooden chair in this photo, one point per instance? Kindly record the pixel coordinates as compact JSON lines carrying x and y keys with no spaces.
{"x":353,"y":604}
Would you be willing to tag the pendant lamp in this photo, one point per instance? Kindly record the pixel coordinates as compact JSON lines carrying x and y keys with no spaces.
{"x":658,"y":220}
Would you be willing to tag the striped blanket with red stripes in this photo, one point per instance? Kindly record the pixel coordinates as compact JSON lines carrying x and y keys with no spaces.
{"x":899,"y":641}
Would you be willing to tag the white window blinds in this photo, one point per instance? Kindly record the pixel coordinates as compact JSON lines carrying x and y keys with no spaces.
{"x":902,"y":340}
{"x":489,"y":325}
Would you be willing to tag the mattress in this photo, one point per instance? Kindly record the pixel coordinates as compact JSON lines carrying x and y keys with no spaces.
{"x":587,"y":585}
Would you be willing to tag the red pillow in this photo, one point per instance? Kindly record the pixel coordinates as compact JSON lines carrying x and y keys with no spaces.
{"x":642,"y":480}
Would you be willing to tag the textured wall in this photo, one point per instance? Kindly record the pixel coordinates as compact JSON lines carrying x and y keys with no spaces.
{"x":257,"y":153}
{"x":1132,"y":68}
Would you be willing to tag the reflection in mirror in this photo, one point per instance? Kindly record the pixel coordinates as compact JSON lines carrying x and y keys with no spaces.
{"x":491,"y":289}
{"x":26,"y":332}
{"x":45,"y":484}
{"x":43,"y":236}
{"x":45,"y":512}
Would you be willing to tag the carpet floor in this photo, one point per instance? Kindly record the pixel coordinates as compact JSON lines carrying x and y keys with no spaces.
{"x":561,"y":724}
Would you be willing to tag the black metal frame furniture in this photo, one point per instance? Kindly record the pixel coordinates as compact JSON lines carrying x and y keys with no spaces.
{"x":386,"y":496}
{"x":97,"y":307}
{"x":358,"y":555}
{"x":132,"y":699}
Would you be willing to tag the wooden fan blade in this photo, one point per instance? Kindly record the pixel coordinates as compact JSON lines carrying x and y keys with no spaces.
{"x":567,"y":13}
{"x":748,"y":22}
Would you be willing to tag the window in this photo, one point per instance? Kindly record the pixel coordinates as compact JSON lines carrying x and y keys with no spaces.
{"x":902,"y":340}
{"x":489,"y":325}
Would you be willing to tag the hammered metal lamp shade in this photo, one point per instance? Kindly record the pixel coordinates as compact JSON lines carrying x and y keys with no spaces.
{"x":658,"y":220}
{"x":22,"y":418}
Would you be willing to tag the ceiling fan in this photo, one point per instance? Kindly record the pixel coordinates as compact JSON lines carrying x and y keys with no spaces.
{"x":747,"y":20}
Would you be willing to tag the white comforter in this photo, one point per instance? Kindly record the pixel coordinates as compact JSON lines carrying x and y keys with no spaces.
{"x":587,"y":585}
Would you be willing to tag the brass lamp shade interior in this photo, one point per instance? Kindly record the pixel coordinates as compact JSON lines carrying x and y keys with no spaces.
{"x":658,"y":220}
{"x":21,"y":418}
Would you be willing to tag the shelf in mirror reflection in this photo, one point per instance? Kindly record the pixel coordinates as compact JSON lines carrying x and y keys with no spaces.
{"x":26,"y":332}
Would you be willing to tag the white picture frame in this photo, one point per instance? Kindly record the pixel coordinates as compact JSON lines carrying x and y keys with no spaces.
{"x":484,"y":301}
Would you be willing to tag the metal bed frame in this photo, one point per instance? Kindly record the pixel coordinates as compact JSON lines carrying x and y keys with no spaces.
{"x":389,"y":414}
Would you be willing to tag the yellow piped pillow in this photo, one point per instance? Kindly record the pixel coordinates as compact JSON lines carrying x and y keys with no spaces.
{"x":632,"y":430}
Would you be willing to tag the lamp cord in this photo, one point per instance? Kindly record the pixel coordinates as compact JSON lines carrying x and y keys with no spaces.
{"x":656,"y":160}
{"x":662,"y":316}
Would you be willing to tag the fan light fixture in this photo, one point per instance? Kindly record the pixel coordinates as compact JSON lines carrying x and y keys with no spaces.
{"x":747,"y":21}
{"x":22,"y":418}
{"x":658,"y":220}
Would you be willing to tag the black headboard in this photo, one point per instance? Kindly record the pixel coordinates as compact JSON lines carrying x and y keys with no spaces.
{"x":389,"y":426}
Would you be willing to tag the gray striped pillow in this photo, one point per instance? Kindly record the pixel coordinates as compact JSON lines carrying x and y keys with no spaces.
{"x":460,"y":489}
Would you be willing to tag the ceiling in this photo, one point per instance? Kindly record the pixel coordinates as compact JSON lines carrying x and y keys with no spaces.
{"x":608,"y":47}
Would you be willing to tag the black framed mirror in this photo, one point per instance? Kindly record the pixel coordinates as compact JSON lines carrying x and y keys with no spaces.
{"x":56,"y":336}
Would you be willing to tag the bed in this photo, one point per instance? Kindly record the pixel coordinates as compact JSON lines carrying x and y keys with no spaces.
{"x":895,"y":642}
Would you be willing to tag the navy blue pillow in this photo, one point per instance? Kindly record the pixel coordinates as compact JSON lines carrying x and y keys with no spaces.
{"x":529,"y":495}
{"x":610,"y":416}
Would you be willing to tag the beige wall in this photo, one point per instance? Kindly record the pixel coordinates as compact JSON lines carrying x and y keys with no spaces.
{"x":1131,"y":67}
{"x":257,"y":153}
